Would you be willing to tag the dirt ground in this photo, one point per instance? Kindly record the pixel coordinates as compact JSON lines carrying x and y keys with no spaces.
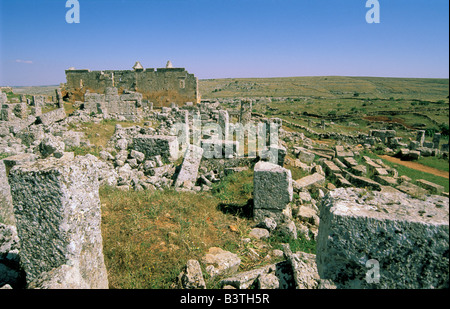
{"x":416,"y":166}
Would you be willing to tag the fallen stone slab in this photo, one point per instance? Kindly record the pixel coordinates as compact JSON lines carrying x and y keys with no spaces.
{"x":430,"y":186}
{"x":250,"y":279}
{"x":363,"y":182}
{"x":381,"y":171}
{"x":383,"y":240}
{"x":339,"y":163}
{"x":51,"y":117}
{"x":190,"y":165}
{"x":330,"y":167}
{"x":386,"y":180}
{"x":341,"y":181}
{"x":310,"y":181}
{"x":411,"y":189}
{"x":349,"y":161}
{"x":359,"y":170}
{"x":304,"y":270}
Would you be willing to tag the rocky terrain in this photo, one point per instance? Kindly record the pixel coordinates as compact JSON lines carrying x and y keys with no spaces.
{"x":365,"y":213}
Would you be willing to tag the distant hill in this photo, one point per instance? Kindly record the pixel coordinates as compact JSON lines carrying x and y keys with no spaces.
{"x":327,"y":87}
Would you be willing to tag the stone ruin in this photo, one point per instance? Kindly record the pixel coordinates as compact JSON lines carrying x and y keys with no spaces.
{"x":162,"y":85}
{"x":360,"y":211}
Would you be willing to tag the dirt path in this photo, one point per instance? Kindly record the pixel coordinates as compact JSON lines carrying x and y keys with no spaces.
{"x":416,"y":166}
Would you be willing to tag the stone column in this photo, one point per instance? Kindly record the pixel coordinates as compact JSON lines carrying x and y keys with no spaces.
{"x":224,"y":123}
{"x":57,"y":209}
{"x":420,"y":137}
{"x":436,"y":140}
{"x":246,"y":112}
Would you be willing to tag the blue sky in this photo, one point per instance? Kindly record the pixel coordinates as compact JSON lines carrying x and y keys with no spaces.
{"x":224,"y":38}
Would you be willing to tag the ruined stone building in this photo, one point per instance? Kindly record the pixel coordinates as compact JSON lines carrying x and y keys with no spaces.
{"x":161,"y":86}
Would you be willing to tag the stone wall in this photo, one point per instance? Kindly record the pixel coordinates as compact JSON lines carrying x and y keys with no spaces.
{"x":162,"y":86}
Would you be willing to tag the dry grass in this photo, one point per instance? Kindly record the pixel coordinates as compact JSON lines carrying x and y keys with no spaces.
{"x":149,"y":236}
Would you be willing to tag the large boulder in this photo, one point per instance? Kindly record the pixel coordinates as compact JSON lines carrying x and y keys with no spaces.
{"x":57,"y":209}
{"x":383,"y":240}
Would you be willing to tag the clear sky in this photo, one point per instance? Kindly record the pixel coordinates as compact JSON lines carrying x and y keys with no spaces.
{"x":224,"y":38}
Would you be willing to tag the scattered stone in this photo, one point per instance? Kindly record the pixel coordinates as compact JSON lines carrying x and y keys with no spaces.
{"x":220,"y":262}
{"x":310,"y":181}
{"x":152,"y":145}
{"x":192,"y":277}
{"x":430,"y":186}
{"x":259,"y":233}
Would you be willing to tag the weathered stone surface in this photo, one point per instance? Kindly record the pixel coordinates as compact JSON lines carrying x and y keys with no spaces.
{"x":52,"y":145}
{"x":22,"y":158}
{"x":152,"y":145}
{"x":220,"y":262}
{"x":51,"y":117}
{"x":304,"y":268}
{"x":190,"y":165}
{"x":272,"y":190}
{"x":359,"y":170}
{"x":6,"y":207}
{"x":430,"y":186}
{"x":350,"y":161}
{"x":57,"y":208}
{"x":363,"y":182}
{"x":191,"y":277}
{"x":259,"y":233}
{"x":62,"y":277}
{"x":408,"y":237}
{"x":330,"y":167}
{"x":310,"y":181}
{"x":11,"y":272}
{"x":245,"y":280}
{"x":305,"y":156}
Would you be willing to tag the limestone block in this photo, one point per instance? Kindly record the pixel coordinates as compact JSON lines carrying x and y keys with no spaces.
{"x":330,"y":167}
{"x":190,"y":165}
{"x":52,"y":145}
{"x":272,"y":191}
{"x":310,"y":181}
{"x":51,"y":117}
{"x":57,"y":209}
{"x":6,"y":208}
{"x":364,"y":234}
{"x":220,"y":262}
{"x":3,"y":98}
{"x":152,"y":145}
{"x":430,"y":186}
{"x":305,"y":156}
{"x":191,"y":277}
